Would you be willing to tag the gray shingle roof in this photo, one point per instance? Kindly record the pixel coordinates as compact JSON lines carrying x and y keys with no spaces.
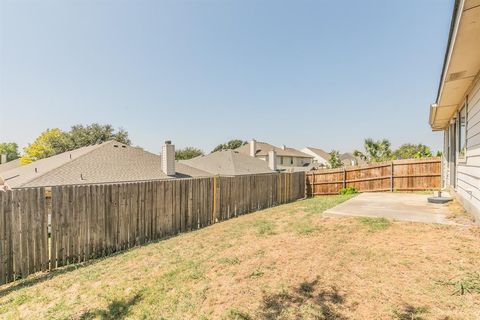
{"x":347,"y":157}
{"x":263,"y":148}
{"x":108,"y":162}
{"x":229,"y":163}
{"x":325,"y":155}
{"x":10,"y":165}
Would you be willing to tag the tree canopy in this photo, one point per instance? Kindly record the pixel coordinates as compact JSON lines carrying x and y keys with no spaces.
{"x":380,"y":150}
{"x":232,"y":144}
{"x":96,"y":133}
{"x":409,"y":151}
{"x":10,"y":149}
{"x":334,"y":160}
{"x":55,"y":141}
{"x":188,"y":153}
{"x":375,"y":151}
{"x":48,"y":143}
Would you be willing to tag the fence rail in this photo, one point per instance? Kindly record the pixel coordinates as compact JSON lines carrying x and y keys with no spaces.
{"x":397,"y":175}
{"x":91,"y":221}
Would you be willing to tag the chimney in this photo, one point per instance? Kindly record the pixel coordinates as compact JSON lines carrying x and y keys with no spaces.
{"x":3,"y":158}
{"x":168,"y":158}
{"x":253,"y":148}
{"x":283,"y":147}
{"x":272,"y":160}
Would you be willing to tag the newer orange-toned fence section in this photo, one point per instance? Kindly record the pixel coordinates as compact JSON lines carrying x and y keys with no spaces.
{"x":397,"y":175}
{"x":91,"y":221}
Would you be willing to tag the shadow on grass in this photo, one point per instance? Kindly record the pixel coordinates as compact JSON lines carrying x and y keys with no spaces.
{"x":39,"y":278}
{"x":117,"y":309}
{"x":409,"y":312}
{"x":302,"y":301}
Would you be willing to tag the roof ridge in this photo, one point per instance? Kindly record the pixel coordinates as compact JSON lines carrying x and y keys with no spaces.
{"x":68,"y":162}
{"x":230,"y":155}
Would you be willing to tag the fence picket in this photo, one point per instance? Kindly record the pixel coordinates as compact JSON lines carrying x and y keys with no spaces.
{"x":90,"y":221}
{"x":397,"y":175}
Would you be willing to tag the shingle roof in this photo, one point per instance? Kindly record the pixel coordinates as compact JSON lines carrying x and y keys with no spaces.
{"x":348,"y":157}
{"x":229,"y":163}
{"x":108,"y":162}
{"x":10,"y":165}
{"x":263,"y":148}
{"x":325,"y":155}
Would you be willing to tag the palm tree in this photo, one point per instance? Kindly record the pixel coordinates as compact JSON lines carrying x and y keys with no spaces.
{"x":375,"y":151}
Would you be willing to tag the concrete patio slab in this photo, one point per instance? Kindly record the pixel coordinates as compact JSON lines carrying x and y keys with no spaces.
{"x":396,"y":206}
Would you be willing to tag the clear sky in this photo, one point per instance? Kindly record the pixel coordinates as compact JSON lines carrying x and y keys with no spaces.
{"x":302,"y":73}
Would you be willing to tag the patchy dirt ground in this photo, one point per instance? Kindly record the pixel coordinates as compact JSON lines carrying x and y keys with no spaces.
{"x":287,"y":262}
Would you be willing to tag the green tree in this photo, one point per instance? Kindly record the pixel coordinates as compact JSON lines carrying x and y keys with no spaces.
{"x":47,"y":144}
{"x":334,"y":160}
{"x":232,"y":144}
{"x":188,"y":153}
{"x":375,"y":151}
{"x":94,"y":133}
{"x":409,"y":151}
{"x":55,"y":141}
{"x":10,"y":149}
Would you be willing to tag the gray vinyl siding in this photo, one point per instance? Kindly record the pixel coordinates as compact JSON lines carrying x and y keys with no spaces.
{"x":468,"y":169}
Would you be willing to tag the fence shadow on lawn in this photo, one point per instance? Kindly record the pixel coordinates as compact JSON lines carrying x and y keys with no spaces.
{"x":41,"y":277}
{"x":36,"y":279}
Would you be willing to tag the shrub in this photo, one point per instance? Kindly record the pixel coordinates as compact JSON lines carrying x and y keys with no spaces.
{"x":349,"y":190}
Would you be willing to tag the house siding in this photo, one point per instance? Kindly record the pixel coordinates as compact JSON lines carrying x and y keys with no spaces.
{"x":468,"y":169}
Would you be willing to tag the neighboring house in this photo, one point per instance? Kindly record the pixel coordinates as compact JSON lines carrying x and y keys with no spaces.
{"x":456,"y":111}
{"x":109,"y":162}
{"x":321,"y":157}
{"x":286,"y":158}
{"x":229,"y":163}
{"x":6,"y":166}
{"x":349,"y":160}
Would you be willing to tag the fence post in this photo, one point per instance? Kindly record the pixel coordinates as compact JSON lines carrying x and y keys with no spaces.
{"x":391,"y":176}
{"x":306,"y":185}
{"x":344,"y":177}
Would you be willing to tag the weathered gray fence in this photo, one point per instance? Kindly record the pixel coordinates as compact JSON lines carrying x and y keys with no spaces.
{"x":91,"y":221}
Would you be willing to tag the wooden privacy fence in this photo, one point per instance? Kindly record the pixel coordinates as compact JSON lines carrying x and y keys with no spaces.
{"x":90,"y":221}
{"x":397,"y":175}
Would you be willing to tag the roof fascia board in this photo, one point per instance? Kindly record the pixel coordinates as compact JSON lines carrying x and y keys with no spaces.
{"x":457,"y":15}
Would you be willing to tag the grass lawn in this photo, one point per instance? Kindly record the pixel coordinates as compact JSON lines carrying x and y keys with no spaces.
{"x":287,"y":262}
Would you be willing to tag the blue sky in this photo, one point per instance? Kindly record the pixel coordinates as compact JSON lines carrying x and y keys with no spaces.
{"x":200,"y":72}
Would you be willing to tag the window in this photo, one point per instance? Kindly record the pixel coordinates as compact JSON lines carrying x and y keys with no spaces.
{"x":281,"y":160}
{"x":462,"y":131}
{"x":291,"y":160}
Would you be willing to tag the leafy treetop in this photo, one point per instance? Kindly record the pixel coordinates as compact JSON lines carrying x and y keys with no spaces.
{"x":334,"y":160}
{"x":232,"y":144}
{"x":188,"y":153}
{"x":10,"y":149}
{"x":55,"y":141}
{"x":409,"y":151}
{"x":375,"y":151}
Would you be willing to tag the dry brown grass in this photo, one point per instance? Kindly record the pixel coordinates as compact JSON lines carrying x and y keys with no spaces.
{"x":458,"y":213}
{"x":287,"y":262}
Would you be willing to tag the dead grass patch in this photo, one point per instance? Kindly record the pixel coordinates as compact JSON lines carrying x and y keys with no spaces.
{"x":287,"y":262}
{"x":458,"y":213}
